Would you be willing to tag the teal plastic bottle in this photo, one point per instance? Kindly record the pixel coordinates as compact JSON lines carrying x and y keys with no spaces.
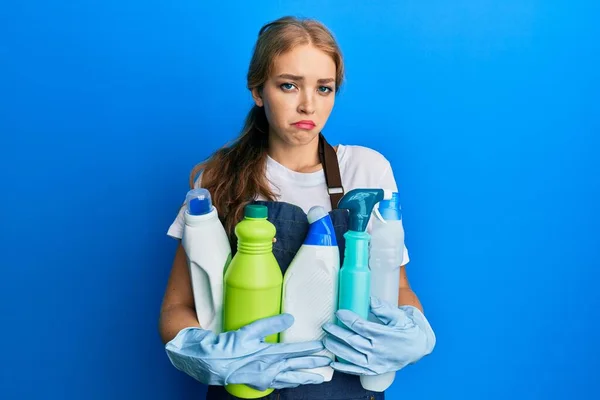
{"x":355,"y":276}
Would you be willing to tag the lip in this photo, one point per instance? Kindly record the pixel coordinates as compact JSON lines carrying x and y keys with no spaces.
{"x":304,"y":124}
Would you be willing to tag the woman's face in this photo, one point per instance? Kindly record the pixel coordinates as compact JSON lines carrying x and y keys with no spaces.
{"x":299,"y":95}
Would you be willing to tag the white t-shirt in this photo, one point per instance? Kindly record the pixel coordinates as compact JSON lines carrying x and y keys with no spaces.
{"x":360,"y":167}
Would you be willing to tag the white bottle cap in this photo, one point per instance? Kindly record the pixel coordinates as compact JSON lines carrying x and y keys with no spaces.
{"x":316,"y":213}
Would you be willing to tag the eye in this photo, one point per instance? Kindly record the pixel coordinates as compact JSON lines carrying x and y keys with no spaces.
{"x":287,"y":86}
{"x":325,"y":89}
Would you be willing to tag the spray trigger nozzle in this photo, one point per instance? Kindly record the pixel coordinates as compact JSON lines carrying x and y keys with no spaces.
{"x":387,"y":195}
{"x":378,"y":214}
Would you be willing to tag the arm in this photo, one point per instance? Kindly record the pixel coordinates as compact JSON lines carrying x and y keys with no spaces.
{"x":177,"y":310}
{"x":406,"y":297}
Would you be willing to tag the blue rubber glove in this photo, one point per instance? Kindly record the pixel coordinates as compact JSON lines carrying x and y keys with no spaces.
{"x":243,"y":357}
{"x":371,"y":348}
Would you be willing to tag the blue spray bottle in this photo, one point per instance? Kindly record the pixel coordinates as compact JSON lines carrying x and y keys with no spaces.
{"x":355,"y":276}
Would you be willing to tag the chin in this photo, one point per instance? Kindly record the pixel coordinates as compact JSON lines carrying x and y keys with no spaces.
{"x":300,"y":138}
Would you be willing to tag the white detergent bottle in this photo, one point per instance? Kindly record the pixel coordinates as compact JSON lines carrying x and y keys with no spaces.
{"x":385,"y":258}
{"x":310,"y":285}
{"x":208,"y":253}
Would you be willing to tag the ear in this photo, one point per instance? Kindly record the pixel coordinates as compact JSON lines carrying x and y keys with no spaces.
{"x":257,"y":96}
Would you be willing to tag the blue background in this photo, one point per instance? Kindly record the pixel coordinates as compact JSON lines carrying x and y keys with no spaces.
{"x":488,"y":111}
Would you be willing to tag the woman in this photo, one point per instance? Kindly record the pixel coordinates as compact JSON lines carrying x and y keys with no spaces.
{"x":282,"y":160}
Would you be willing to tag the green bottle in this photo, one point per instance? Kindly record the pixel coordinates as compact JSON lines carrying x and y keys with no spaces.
{"x":253,"y":282}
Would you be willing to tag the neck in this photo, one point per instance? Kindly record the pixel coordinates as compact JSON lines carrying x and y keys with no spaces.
{"x":304,"y":158}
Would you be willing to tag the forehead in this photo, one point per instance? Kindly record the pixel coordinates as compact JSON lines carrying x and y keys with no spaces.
{"x":305,"y":60}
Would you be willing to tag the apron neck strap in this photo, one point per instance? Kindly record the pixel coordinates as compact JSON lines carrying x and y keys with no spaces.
{"x":331,"y":168}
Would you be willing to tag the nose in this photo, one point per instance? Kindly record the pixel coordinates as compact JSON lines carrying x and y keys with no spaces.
{"x":307,"y":104}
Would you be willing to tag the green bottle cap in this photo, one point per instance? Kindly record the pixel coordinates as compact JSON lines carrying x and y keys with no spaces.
{"x":255,"y":211}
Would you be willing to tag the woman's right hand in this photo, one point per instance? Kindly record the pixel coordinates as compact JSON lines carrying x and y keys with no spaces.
{"x":243,"y":357}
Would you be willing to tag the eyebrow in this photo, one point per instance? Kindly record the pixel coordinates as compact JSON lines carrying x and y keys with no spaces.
{"x":301,"y":78}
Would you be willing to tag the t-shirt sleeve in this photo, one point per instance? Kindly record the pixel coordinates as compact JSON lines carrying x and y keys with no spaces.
{"x":388,"y":182}
{"x":176,"y":228}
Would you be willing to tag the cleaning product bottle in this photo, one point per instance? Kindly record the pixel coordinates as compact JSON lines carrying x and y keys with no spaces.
{"x":355,"y":276}
{"x":310,"y":285}
{"x":253,"y":282}
{"x":387,"y":249}
{"x":208,"y":253}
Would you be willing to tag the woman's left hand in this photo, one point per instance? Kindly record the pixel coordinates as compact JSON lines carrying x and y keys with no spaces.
{"x":372,"y":348}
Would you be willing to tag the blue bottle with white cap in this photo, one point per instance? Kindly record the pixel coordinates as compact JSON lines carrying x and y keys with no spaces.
{"x":385,"y":258}
{"x":208,"y":254}
{"x":310,"y":285}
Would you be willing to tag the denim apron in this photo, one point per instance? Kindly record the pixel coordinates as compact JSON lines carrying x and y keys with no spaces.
{"x":292,"y":226}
